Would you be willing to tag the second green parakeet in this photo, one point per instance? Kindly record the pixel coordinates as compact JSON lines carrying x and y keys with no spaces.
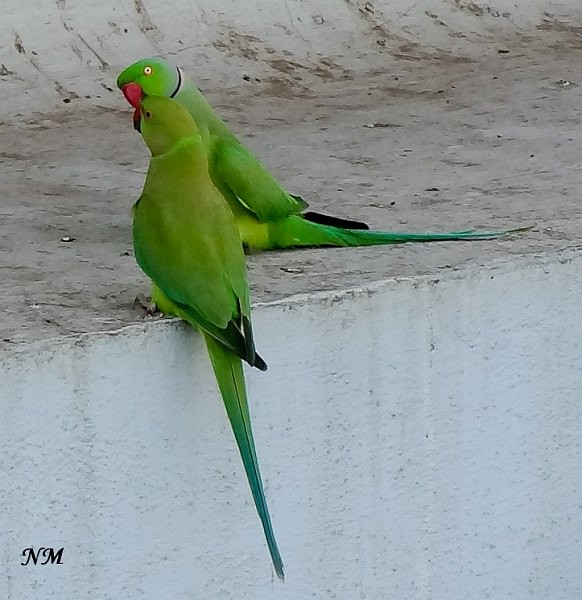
{"x":266,"y":215}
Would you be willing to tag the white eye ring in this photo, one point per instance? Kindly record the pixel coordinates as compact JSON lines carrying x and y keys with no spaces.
{"x":147,"y":70}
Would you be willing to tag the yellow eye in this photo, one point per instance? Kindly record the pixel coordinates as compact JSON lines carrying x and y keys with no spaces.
{"x":148,"y":115}
{"x":147,"y":70}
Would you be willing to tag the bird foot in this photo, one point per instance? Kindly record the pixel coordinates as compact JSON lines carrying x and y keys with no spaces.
{"x":148,"y":305}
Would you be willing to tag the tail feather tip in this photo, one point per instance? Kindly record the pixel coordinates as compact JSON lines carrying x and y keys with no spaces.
{"x":259,"y":363}
{"x":280,"y":570}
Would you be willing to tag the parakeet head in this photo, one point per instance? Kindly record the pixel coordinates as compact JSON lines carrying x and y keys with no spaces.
{"x":149,"y":77}
{"x":164,"y":123}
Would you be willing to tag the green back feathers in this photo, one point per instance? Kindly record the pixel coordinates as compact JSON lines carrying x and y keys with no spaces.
{"x":185,"y":237}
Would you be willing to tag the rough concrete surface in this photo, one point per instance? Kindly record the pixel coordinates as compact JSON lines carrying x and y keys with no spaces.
{"x":419,"y":435}
{"x":489,"y":143}
{"x":420,"y":441}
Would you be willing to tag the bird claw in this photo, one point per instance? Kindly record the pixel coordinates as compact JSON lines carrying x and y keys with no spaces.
{"x":148,"y":305}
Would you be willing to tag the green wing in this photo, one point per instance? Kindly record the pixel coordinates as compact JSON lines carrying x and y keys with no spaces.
{"x":184,"y":265}
{"x":249,"y":180}
{"x":237,"y":336}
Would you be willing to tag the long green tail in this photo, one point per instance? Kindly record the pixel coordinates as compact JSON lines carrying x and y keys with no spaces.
{"x":229,"y":375}
{"x":296,"y":231}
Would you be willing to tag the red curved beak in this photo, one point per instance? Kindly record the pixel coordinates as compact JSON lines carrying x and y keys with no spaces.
{"x":133,"y":94}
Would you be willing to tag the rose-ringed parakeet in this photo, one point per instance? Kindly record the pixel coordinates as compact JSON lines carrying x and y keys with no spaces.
{"x":186,"y":240}
{"x":266,"y":215}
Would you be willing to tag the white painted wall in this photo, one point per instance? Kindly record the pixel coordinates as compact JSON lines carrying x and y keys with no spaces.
{"x":421,"y":439}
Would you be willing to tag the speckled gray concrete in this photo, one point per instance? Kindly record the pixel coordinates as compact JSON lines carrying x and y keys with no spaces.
{"x":456,"y":144}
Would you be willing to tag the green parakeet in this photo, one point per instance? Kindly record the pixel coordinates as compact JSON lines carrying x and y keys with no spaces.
{"x":186,"y":240}
{"x":266,"y":215}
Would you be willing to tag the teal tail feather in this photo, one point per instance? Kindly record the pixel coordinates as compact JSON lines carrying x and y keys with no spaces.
{"x":230,"y":377}
{"x":297,"y":232}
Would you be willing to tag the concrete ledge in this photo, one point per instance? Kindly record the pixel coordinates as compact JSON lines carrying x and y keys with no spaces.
{"x":420,"y":438}
{"x":418,"y":428}
{"x":432,"y":129}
